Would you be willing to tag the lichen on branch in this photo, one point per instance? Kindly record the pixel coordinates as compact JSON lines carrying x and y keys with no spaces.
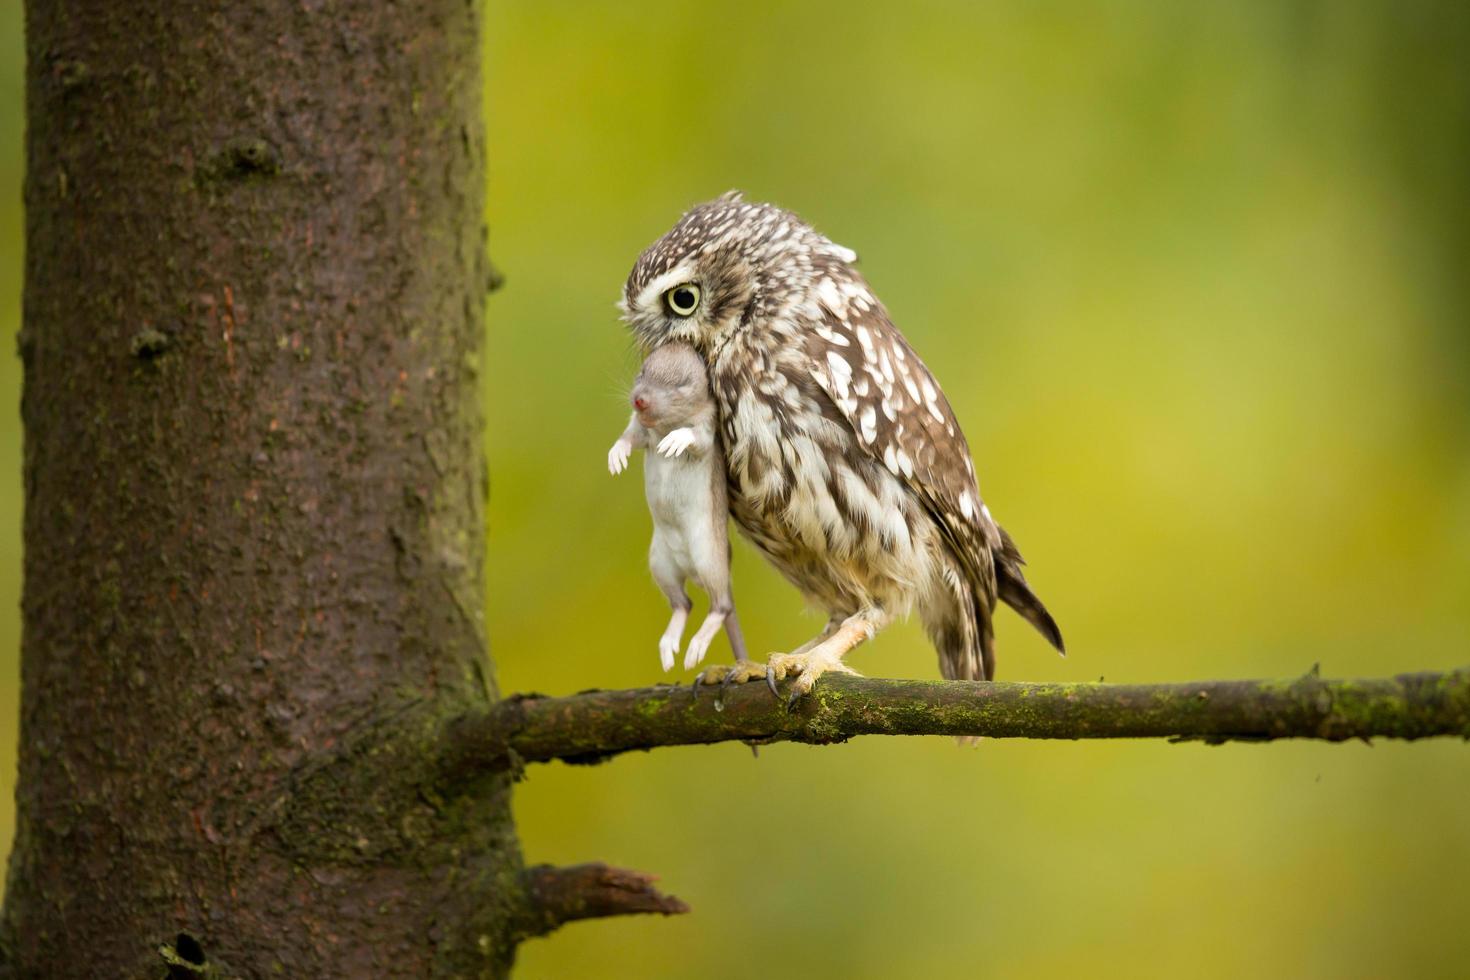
{"x":595,"y":725}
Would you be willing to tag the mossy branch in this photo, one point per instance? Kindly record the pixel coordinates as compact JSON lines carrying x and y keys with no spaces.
{"x":596,"y":725}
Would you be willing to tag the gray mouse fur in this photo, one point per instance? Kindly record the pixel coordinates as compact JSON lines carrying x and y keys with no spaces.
{"x":673,"y":420}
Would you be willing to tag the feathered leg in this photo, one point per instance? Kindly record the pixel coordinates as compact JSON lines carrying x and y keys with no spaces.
{"x":827,"y":654}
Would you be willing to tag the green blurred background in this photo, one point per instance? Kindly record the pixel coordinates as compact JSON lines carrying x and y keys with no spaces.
{"x":1195,"y":279}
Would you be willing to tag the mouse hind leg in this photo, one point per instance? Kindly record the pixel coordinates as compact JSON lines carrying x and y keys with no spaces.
{"x":721,"y":611}
{"x":670,"y":581}
{"x":714,"y":578}
{"x":736,"y":637}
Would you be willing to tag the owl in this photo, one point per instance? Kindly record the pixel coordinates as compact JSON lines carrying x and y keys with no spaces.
{"x":846,"y":466}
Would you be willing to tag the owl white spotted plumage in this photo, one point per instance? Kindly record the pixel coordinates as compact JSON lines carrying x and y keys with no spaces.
{"x":847,"y":468}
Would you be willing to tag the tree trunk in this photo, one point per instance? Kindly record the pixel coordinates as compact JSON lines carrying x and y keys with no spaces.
{"x":254,"y":495}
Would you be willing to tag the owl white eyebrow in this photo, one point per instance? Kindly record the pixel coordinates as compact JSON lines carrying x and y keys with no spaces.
{"x":674,"y":277}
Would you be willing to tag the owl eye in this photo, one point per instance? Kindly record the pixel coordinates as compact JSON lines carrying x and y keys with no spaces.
{"x":682,"y":300}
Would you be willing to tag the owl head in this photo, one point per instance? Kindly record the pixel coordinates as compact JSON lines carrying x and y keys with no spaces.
{"x":726,"y":265}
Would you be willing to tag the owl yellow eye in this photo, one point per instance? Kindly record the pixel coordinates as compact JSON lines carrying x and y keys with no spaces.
{"x":682,"y":300}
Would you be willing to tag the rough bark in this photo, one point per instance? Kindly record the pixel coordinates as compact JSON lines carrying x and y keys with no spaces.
{"x":596,"y":725}
{"x":590,"y":891}
{"x":254,"y":484}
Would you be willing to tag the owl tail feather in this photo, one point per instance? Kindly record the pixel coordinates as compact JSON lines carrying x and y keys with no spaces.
{"x":1014,"y":592}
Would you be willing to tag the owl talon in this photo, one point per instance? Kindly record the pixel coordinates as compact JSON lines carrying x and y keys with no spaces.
{"x":737,"y":673}
{"x":805,"y":668}
{"x":726,"y":681}
{"x":771,"y":682}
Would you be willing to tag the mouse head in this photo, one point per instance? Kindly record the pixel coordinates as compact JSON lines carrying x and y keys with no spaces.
{"x":672,"y":389}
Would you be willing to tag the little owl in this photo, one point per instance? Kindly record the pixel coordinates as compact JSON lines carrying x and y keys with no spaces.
{"x":847,"y":468}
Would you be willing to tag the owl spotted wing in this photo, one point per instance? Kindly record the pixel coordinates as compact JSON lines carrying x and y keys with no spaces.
{"x":901,"y":418}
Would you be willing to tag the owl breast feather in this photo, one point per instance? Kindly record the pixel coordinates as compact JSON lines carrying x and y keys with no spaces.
{"x":834,"y":521}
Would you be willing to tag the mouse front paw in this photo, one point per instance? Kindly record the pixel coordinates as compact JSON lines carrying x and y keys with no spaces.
{"x":676,"y":442}
{"x":617,"y":456}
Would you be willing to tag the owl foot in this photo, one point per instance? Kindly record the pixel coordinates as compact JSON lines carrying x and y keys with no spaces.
{"x":813,"y":660}
{"x":806,"y":668}
{"x":737,"y":673}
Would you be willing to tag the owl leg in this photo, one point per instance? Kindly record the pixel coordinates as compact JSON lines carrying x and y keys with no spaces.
{"x":810,"y":662}
{"x":833,"y":625}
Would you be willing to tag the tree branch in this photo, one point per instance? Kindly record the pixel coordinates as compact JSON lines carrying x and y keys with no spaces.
{"x":589,"y":891}
{"x":595,"y":725}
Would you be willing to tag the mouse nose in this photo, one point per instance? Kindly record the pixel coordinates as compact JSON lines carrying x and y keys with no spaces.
{"x":640,"y":403}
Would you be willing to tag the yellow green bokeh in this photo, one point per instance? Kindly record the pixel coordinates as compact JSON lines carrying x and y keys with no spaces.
{"x":1196,"y":278}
